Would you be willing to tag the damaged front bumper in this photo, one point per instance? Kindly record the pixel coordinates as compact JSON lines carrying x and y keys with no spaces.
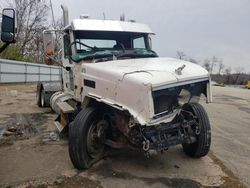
{"x":160,"y":137}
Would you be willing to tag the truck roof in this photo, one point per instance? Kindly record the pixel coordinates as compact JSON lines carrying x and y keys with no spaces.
{"x":110,"y":25}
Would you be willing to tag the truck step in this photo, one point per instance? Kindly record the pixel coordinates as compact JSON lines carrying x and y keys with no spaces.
{"x":58,"y":126}
{"x":65,"y":107}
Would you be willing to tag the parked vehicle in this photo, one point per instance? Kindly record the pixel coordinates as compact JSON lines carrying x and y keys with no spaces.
{"x":248,"y":84}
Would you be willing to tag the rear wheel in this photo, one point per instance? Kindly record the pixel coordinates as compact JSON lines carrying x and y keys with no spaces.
{"x":42,"y":98}
{"x":203,"y":131}
{"x":38,"y":98}
{"x":87,"y":135}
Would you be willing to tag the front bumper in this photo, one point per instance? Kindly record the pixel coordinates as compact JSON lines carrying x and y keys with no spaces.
{"x":161,"y":137}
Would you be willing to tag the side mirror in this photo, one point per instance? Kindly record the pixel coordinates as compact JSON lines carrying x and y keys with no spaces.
{"x":49,"y":46}
{"x":8,"y":29}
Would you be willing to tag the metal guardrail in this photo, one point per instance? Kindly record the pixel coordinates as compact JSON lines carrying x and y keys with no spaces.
{"x":22,"y":72}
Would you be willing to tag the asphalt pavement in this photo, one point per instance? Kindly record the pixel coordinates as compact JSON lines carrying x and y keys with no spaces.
{"x":230,"y":119}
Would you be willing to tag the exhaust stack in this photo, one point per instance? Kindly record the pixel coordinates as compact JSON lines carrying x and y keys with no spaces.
{"x":65,"y":15}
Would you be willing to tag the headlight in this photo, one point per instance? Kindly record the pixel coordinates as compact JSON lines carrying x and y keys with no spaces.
{"x":166,"y":100}
{"x":184,"y":97}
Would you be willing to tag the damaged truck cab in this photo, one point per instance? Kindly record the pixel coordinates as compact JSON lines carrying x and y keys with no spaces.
{"x":116,"y":92}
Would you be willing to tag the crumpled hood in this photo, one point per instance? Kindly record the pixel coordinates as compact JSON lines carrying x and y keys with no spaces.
{"x":128,"y":84}
{"x":153,"y":71}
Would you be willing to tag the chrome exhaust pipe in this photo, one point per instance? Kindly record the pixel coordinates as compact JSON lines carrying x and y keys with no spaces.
{"x":65,"y":15}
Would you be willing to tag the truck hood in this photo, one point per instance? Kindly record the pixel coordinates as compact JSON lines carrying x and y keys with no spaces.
{"x":153,"y":71}
{"x":128,"y":84}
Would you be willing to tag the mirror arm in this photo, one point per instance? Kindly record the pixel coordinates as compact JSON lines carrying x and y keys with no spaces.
{"x":56,"y":62}
{"x":4,"y":47}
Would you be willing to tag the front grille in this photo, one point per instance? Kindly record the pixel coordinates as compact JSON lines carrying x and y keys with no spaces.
{"x":166,"y":100}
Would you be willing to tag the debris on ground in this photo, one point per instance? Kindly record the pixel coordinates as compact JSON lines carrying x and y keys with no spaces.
{"x":22,"y":126}
{"x":16,"y":131}
{"x":52,"y":136}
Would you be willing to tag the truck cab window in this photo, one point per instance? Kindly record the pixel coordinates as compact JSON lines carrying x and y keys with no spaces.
{"x":139,"y":43}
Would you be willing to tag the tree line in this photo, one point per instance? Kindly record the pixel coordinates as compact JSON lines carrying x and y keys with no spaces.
{"x":219,"y":72}
{"x":32,"y":18}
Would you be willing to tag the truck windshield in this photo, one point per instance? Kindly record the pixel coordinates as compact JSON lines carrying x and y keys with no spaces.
{"x":96,"y":44}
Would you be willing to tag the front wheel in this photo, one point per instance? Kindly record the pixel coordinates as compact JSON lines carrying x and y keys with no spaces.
{"x":87,"y":135}
{"x":202,"y":144}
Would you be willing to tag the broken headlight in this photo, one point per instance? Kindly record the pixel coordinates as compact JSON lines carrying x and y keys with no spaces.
{"x":166,"y":100}
{"x":184,"y":97}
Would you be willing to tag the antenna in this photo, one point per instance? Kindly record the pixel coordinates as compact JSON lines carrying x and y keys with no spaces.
{"x":104,"y":16}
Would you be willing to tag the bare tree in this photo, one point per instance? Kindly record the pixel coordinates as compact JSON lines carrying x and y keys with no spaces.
{"x":228,"y":71}
{"x":31,"y":20}
{"x":221,"y":66}
{"x":238,"y":71}
{"x":207,"y":65}
{"x":180,"y":55}
{"x":193,"y":60}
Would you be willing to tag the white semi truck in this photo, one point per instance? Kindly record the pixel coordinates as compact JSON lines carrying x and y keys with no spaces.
{"x":116,"y":92}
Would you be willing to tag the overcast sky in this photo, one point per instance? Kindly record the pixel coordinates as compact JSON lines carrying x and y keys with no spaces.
{"x":200,"y":28}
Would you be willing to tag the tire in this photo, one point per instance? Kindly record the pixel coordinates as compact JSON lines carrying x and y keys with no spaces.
{"x":84,"y":148}
{"x":43,"y":100}
{"x":38,"y":98}
{"x":203,"y":140}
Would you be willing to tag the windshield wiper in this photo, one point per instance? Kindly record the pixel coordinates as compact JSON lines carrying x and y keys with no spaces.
{"x":137,"y":53}
{"x":93,"y":55}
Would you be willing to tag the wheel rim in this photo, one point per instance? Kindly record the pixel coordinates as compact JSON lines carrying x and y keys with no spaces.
{"x":96,"y":137}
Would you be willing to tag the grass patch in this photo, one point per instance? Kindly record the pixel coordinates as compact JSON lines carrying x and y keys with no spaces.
{"x":6,"y":142}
